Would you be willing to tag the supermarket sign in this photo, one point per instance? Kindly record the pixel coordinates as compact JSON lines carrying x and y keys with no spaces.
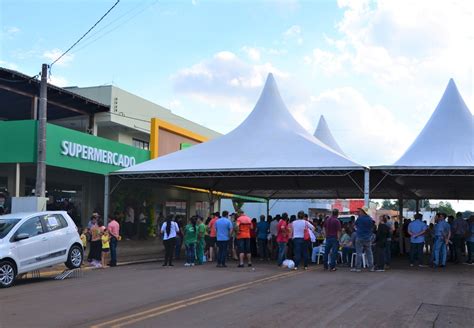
{"x":89,"y":153}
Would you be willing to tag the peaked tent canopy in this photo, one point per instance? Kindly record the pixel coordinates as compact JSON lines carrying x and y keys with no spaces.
{"x":324,"y":134}
{"x":440,"y":162}
{"x":447,"y":138}
{"x":268,"y":155}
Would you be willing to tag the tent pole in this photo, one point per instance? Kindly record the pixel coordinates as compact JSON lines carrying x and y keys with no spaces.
{"x":417,"y":206}
{"x":366,"y":188}
{"x":268,"y":208}
{"x":106,"y":198}
{"x":400,"y":225}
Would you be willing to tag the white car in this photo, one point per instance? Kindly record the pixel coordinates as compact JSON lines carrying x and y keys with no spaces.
{"x":31,"y":241}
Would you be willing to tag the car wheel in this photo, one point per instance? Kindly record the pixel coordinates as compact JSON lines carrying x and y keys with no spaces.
{"x":74,"y":259}
{"x":7,"y":274}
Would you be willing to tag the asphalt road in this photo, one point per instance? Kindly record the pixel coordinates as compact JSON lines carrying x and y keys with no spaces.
{"x":149,"y":295}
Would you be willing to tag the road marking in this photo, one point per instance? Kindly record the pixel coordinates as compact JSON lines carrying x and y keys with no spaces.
{"x":157,"y":311}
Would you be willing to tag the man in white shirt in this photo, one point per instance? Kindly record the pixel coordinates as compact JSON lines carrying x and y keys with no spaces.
{"x":300,"y":246}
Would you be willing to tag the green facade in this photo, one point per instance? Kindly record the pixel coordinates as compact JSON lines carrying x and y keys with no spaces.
{"x":18,"y":141}
{"x":66,"y":148}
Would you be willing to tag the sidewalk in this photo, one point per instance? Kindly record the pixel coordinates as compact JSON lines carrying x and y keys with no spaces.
{"x":137,"y":250}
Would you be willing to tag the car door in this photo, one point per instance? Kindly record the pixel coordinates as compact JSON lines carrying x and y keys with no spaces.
{"x":59,"y":236}
{"x":34,"y":251}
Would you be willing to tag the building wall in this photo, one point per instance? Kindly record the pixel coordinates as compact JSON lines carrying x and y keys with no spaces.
{"x":170,"y":142}
{"x":135,"y":112}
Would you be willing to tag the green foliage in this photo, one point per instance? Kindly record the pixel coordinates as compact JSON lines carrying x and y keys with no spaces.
{"x":387,"y":204}
{"x":238,"y":204}
{"x":445,"y":207}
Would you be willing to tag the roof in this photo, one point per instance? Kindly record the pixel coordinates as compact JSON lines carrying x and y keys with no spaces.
{"x":17,"y":90}
{"x":324,"y":134}
{"x":447,"y":140}
{"x":270,"y":148}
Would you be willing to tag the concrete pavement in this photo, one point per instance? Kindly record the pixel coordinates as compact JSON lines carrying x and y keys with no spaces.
{"x":149,"y":295}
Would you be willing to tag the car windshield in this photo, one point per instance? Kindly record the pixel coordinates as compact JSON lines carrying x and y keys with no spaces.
{"x":6,"y":225}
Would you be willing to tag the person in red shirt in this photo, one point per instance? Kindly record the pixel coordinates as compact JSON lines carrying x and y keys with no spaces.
{"x":283,"y":234}
{"x":244,"y":226}
{"x":212,"y":235}
{"x":332,"y":231}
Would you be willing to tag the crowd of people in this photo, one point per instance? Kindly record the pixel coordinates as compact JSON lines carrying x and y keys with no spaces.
{"x":295,"y":241}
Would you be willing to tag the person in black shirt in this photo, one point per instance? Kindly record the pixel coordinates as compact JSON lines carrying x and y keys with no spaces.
{"x":381,"y":236}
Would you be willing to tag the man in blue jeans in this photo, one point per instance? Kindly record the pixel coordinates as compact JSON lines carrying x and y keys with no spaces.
{"x":442,"y":235}
{"x":223,"y":232}
{"x":332,"y":231}
{"x":416,"y":230}
{"x":364,"y":234}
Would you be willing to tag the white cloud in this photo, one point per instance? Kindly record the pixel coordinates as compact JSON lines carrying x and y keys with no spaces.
{"x":294,"y":33}
{"x":8,"y":65}
{"x":175,"y":103}
{"x":395,"y":41}
{"x":326,"y":61}
{"x":194,"y":2}
{"x":10,"y":32}
{"x":52,"y":55}
{"x":57,"y":80}
{"x":369,"y":133}
{"x":253,"y":53}
{"x":223,"y":75}
{"x":226,"y":85}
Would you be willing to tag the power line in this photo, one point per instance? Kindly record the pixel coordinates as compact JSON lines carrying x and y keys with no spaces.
{"x":84,"y":35}
{"x":114,"y":26}
{"x":97,"y":31}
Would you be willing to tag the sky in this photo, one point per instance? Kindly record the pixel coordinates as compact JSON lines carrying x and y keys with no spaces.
{"x":375,"y":69}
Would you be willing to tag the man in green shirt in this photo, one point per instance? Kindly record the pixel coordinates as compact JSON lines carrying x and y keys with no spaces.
{"x":201,"y":229}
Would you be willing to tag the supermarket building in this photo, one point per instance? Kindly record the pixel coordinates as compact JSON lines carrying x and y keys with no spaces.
{"x":91,"y":132}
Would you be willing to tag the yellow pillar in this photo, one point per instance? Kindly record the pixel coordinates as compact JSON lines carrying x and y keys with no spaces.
{"x":154,"y":138}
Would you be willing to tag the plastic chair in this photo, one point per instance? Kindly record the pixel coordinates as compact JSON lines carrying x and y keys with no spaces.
{"x":364,"y":260}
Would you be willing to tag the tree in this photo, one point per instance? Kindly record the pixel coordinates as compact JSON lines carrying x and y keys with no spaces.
{"x":445,"y":207}
{"x":388,"y":205}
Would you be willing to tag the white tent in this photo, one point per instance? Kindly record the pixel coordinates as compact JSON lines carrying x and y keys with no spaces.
{"x":447,"y":138}
{"x":269,"y":143}
{"x":323,"y":133}
{"x":440,"y":162}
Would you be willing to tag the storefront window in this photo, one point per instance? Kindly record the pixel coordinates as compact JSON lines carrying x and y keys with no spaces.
{"x":202,"y":209}
{"x":175,"y":208}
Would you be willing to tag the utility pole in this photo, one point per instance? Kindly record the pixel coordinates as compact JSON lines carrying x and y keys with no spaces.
{"x":40,"y":190}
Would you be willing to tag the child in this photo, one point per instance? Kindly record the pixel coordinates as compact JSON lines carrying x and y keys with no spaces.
{"x":84,"y":239}
{"x":105,"y":247}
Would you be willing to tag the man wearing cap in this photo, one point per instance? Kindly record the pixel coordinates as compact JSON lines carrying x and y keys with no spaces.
{"x":364,"y":226}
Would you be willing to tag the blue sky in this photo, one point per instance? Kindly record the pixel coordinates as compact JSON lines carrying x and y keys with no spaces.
{"x":375,"y":69}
